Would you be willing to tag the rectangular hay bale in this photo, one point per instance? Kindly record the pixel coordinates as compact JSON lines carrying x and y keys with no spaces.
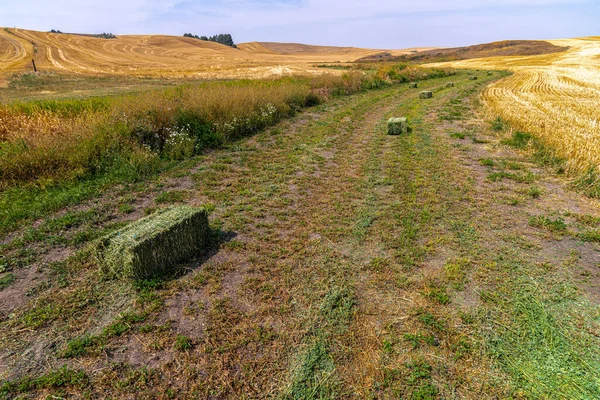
{"x":426,"y":95}
{"x":397,"y":126}
{"x":155,"y":244}
{"x":473,"y":78}
{"x":413,"y":85}
{"x":450,"y":84}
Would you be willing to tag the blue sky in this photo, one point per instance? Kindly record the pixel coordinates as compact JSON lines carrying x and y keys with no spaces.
{"x":376,"y":23}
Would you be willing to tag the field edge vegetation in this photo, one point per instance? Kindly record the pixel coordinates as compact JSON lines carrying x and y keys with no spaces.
{"x":57,"y":152}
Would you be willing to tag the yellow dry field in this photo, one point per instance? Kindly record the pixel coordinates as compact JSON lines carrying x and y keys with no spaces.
{"x":555,"y":97}
{"x":168,"y":56}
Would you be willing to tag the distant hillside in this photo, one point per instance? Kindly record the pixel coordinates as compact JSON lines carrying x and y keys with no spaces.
{"x":495,"y":49}
{"x":162,"y":55}
{"x":305,"y":49}
{"x":343,"y":54}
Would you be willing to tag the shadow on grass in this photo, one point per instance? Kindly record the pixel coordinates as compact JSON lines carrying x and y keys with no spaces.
{"x":218,"y":238}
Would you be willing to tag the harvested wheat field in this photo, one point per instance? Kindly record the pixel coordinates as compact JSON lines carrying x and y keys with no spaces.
{"x":554,"y":97}
{"x":159,"y":55}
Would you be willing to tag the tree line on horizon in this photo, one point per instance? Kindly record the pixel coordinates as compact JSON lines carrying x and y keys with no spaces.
{"x":103,"y":35}
{"x":223,"y":38}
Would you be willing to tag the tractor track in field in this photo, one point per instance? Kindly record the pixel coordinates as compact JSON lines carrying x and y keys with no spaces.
{"x":352,"y":264}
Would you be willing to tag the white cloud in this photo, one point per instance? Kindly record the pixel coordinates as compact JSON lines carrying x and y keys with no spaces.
{"x":322,"y":21}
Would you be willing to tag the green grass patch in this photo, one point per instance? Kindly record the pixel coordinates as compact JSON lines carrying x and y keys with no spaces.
{"x":456,"y":270}
{"x":126,"y":208}
{"x":419,"y":339}
{"x":498,"y":124}
{"x":557,"y":225}
{"x":173,"y":196}
{"x":590,"y":236}
{"x":589,"y":183}
{"x":6,"y":280}
{"x":518,"y":140}
{"x":183,"y":343}
{"x":458,"y":135}
{"x":420,"y":382}
{"x":431,"y":321}
{"x":520,"y":177}
{"x":62,"y":378}
{"x":437,"y":294}
{"x":92,"y":344}
{"x":534,"y":192}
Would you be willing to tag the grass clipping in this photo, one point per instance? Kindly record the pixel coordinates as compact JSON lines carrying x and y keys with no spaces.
{"x":152,"y":246}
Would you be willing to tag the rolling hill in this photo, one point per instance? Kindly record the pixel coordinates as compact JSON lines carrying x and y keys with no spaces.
{"x":161,"y":55}
{"x":504,"y":48}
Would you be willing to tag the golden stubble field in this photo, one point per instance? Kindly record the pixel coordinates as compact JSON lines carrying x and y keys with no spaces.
{"x":554,"y":97}
{"x":164,"y":56}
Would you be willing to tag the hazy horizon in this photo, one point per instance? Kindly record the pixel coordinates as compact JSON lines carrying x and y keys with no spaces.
{"x":386,"y":25}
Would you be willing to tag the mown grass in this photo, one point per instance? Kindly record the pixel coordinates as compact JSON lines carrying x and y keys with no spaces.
{"x":313,"y":375}
{"x":383,"y":211}
{"x":533,"y":321}
{"x":58,"y":152}
{"x":539,"y":333}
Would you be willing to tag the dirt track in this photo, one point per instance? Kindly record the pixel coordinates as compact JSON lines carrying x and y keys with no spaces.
{"x":350,"y":264}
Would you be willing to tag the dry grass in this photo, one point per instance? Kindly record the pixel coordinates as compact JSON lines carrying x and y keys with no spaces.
{"x":552,"y":96}
{"x":68,"y":139}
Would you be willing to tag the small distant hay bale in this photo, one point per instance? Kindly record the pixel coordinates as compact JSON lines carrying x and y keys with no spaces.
{"x":153,"y":245}
{"x":413,"y":85}
{"x":397,"y":126}
{"x":490,"y":73}
{"x":473,"y":78}
{"x":426,"y":95}
{"x":450,"y":84}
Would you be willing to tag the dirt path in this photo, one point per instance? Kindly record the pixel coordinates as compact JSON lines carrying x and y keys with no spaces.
{"x":351,"y":264}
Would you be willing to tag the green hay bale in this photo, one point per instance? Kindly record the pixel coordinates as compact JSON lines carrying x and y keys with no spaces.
{"x":473,"y":78}
{"x":425,"y":95}
{"x":153,"y":245}
{"x":397,"y":126}
{"x":450,"y":84}
{"x":490,"y":73}
{"x":413,"y":85}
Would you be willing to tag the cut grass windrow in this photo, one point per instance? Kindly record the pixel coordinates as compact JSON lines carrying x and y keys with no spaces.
{"x":350,"y":264}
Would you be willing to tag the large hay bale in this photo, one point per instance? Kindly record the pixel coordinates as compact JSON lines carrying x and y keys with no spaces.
{"x":426,"y":95}
{"x":153,"y":245}
{"x":413,"y":85}
{"x":473,"y":78}
{"x":450,"y":84}
{"x":397,"y":126}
